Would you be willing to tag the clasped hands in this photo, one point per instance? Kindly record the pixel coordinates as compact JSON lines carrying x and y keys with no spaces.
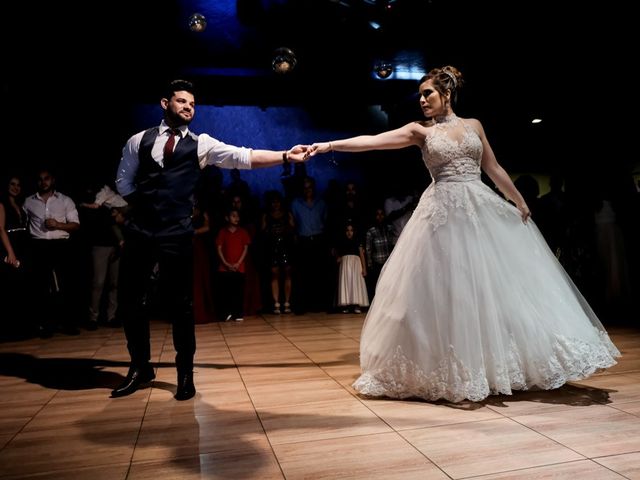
{"x":301,"y":153}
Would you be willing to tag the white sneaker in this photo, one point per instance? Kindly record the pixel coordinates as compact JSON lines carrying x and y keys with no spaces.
{"x":229,"y":318}
{"x":357,"y":310}
{"x":239,"y":319}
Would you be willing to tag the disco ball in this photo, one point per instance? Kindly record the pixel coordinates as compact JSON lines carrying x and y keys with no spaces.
{"x":383,"y":70}
{"x":197,"y":22}
{"x":284,"y":60}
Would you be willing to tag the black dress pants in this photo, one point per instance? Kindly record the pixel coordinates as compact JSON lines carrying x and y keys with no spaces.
{"x":174,"y":256}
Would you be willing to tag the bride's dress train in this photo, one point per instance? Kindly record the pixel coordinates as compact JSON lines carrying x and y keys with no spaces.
{"x":472,"y":302}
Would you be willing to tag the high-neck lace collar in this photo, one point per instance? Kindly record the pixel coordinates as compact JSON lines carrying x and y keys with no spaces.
{"x":445,"y":118}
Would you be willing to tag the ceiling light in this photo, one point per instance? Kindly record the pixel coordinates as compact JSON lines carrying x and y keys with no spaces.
{"x":197,"y":22}
{"x":284,"y":60}
{"x":383,"y":70}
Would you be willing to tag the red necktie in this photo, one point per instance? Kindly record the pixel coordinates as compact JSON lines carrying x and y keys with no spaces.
{"x":168,"y":147}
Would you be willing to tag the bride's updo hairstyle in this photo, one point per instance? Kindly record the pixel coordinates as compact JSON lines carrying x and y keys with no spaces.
{"x":445,"y":78}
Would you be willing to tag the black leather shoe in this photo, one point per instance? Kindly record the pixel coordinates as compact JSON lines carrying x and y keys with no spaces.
{"x":186,"y":389}
{"x":136,"y":377}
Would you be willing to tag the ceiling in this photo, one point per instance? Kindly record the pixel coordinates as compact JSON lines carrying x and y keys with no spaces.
{"x":520,"y":60}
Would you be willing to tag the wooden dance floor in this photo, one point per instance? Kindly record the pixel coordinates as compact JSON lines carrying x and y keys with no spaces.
{"x":274,"y":402}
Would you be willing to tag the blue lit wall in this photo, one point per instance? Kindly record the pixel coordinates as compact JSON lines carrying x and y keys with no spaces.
{"x":276,"y":128}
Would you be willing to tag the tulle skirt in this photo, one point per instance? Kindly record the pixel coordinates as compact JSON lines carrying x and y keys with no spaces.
{"x":472,"y":302}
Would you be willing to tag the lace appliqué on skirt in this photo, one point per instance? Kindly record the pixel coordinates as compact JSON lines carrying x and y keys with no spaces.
{"x":442,"y":197}
{"x":452,"y":380}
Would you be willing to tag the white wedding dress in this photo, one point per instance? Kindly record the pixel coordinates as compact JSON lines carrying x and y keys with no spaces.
{"x":472,"y":301}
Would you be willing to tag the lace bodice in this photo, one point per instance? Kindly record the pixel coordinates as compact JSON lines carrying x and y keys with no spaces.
{"x":452,"y":150}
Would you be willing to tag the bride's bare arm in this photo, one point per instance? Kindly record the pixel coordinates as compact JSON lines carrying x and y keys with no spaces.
{"x":497,"y":174}
{"x":410,"y":134}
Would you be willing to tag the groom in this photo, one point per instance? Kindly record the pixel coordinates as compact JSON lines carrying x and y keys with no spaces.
{"x":157,"y":176}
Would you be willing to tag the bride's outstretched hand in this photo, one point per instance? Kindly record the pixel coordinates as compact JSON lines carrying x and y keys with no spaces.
{"x":316,"y":148}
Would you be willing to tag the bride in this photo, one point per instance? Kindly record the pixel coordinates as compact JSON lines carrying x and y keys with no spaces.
{"x":471,"y":302}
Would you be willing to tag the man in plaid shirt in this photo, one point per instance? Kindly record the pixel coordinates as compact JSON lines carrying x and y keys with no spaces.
{"x":378,"y":245}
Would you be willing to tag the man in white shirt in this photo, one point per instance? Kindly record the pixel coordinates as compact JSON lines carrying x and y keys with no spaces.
{"x":52,"y":218}
{"x":157,"y":177}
